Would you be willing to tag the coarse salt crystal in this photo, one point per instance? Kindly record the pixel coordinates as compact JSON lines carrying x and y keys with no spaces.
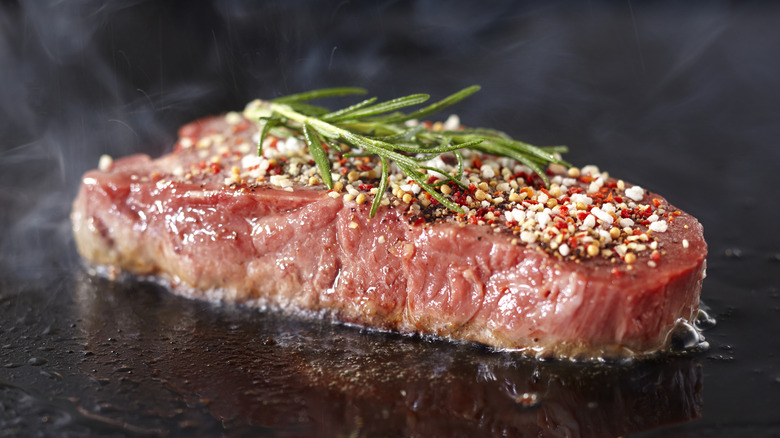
{"x":487,"y":171}
{"x":292,"y":144}
{"x":626,"y":222}
{"x":438,"y":163}
{"x":233,"y":118}
{"x":528,"y":237}
{"x":590,"y":170}
{"x":543,"y":218}
{"x":652,"y":218}
{"x":105,"y":162}
{"x":250,"y":160}
{"x":204,"y":142}
{"x":685,"y":243}
{"x":452,"y":123}
{"x":518,"y":215}
{"x":602,"y":215}
{"x":636,"y":193}
{"x":281,"y":180}
{"x":658,"y":227}
{"x":589,"y":222}
{"x":579,"y":197}
{"x":564,"y":249}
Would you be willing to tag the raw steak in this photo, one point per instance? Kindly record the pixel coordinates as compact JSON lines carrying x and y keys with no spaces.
{"x":589,"y":267}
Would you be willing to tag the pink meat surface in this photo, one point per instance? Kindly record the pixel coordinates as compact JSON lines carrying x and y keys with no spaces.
{"x":300,"y":249}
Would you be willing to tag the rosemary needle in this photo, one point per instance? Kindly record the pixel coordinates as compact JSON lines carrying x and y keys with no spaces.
{"x":368,"y":128}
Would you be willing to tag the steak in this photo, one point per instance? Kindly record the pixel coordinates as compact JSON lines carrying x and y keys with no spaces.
{"x":588,"y":267}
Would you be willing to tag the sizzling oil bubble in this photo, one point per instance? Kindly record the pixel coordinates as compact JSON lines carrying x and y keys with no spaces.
{"x":704,"y":321}
{"x":686,"y":337}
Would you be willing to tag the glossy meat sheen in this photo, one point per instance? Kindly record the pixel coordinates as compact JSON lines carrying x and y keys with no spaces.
{"x":300,"y":250}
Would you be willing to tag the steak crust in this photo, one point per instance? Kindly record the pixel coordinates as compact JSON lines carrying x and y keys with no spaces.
{"x":301,"y":249}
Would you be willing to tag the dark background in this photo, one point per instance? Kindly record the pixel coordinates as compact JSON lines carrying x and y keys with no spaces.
{"x":682,"y":98}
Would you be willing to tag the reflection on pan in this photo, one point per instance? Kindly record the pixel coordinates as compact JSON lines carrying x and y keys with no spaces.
{"x":276,"y":375}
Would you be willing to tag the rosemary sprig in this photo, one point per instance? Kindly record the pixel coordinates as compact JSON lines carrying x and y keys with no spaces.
{"x":378,"y":129}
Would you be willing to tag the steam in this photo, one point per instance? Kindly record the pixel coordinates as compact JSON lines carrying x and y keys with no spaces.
{"x":76,"y":94}
{"x":618,"y":84}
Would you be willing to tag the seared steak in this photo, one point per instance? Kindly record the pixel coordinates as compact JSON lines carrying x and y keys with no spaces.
{"x":589,"y":266}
